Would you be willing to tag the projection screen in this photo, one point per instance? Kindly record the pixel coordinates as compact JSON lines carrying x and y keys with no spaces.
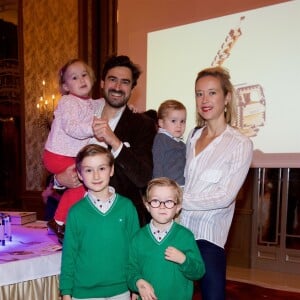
{"x":260,"y":48}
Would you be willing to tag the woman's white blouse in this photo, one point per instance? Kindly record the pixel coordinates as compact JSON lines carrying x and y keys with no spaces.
{"x":212,"y":181}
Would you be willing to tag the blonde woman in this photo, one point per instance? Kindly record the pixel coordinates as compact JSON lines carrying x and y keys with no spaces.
{"x":217,"y":162}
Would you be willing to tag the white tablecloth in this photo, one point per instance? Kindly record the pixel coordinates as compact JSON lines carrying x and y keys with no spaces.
{"x":31,"y":254}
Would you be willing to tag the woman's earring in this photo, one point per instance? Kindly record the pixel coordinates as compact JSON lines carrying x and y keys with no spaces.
{"x":225,"y":108}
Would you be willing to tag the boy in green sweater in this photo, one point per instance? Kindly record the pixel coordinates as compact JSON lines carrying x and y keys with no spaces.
{"x":164,"y":259}
{"x":99,"y":228}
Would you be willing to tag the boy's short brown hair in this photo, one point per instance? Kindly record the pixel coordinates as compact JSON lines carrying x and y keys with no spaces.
{"x":92,"y":150}
{"x":168,"y":105}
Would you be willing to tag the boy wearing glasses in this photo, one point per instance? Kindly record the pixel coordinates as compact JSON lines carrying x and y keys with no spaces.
{"x":164,"y":259}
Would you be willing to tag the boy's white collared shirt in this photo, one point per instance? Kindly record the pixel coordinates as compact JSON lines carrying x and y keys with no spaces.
{"x":159,"y":234}
{"x":103,"y":205}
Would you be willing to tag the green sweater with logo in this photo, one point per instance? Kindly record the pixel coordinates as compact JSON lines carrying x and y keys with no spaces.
{"x":147,"y":261}
{"x":95,"y":249}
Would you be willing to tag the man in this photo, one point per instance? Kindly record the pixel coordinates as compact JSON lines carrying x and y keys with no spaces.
{"x":129,"y":135}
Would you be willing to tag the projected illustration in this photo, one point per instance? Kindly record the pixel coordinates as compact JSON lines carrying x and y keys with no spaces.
{"x":259,"y":47}
{"x":226,"y":47}
{"x":251,"y":100}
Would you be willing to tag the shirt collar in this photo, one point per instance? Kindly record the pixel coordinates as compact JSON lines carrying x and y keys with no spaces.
{"x":159,"y":234}
{"x":103,"y":205}
{"x":161,"y":130}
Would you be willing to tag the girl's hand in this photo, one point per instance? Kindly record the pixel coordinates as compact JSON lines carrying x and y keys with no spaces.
{"x":103,"y":133}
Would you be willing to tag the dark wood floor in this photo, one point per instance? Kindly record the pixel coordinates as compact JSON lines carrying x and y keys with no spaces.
{"x":244,"y":291}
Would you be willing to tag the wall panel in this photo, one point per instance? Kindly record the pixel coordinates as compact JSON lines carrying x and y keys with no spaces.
{"x":50,"y":37}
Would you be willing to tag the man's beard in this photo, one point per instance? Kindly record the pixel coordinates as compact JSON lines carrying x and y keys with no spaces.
{"x":120,"y":102}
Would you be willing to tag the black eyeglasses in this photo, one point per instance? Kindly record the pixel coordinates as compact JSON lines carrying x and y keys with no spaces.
{"x":156,"y":203}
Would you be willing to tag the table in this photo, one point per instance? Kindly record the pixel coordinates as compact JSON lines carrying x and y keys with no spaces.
{"x":30,"y":264}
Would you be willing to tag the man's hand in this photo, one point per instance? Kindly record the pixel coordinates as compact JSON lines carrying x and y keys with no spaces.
{"x":174,"y":255}
{"x":68,"y":178}
{"x":133,"y":108}
{"x":103,"y":133}
{"x":146,"y":290}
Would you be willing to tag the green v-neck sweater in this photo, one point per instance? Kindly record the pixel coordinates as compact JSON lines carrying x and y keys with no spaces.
{"x":147,"y":261}
{"x":95,"y":249}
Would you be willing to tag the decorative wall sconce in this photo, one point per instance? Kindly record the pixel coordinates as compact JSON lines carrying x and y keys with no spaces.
{"x":45,"y":107}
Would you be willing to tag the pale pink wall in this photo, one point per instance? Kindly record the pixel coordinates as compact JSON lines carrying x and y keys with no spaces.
{"x":138,"y":17}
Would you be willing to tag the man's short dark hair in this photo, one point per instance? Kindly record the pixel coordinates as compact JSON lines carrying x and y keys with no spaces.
{"x":121,"y":61}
